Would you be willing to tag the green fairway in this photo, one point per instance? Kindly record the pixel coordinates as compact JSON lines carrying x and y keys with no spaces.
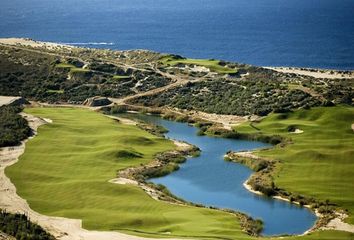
{"x":320,"y":161}
{"x":213,"y":65}
{"x":65,"y":171}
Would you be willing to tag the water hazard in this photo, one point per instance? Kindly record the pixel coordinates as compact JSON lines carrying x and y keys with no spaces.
{"x":211,"y":181}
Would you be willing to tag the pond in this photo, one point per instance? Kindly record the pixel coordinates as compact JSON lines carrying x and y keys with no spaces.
{"x":210,"y":180}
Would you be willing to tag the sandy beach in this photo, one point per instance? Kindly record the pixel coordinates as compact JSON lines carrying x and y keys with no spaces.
{"x":316,"y":73}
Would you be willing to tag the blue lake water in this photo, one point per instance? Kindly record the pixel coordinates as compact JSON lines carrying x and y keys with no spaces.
{"x":211,"y":181}
{"x":308,"y":33}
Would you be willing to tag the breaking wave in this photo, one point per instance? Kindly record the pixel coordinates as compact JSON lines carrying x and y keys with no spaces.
{"x":89,"y":43}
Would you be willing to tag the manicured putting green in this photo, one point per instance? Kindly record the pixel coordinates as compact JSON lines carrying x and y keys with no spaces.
{"x":213,"y":65}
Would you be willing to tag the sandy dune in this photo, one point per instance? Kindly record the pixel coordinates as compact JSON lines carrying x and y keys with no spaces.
{"x":314,"y":73}
{"x":31,"y":43}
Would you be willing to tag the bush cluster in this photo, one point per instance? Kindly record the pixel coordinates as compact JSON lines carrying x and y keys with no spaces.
{"x":13,"y":128}
{"x":20,"y":227}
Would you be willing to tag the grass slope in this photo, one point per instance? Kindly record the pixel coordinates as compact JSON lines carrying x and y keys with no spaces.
{"x":65,"y":171}
{"x":320,"y":162}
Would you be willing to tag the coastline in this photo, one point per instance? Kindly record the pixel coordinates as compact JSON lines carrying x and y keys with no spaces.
{"x":306,"y":71}
{"x":214,"y":118}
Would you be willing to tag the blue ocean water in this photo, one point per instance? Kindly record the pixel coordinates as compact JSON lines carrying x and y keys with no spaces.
{"x":306,"y":33}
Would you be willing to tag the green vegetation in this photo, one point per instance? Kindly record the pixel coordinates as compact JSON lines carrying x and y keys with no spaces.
{"x":34,"y":74}
{"x":244,"y":90}
{"x":75,"y":69}
{"x":68,"y":176}
{"x":55,"y":91}
{"x":13,"y":128}
{"x":213,"y":65}
{"x":65,"y":65}
{"x":242,"y":97}
{"x":120,"y":77}
{"x":254,"y":164}
{"x":319,"y":160}
{"x":20,"y":227}
{"x":117,"y":109}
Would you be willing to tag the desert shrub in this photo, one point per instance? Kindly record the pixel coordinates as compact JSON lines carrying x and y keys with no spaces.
{"x":19,"y":226}
{"x":160,"y":171}
{"x":118,"y":109}
{"x":201,"y":132}
{"x":13,"y":128}
{"x":182,"y":118}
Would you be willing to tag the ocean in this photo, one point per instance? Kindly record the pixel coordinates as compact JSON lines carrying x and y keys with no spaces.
{"x":301,"y":33}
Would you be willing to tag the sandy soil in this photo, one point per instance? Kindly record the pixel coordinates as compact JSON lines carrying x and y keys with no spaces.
{"x":123,"y":120}
{"x":197,"y":68}
{"x":32,"y":43}
{"x":247,"y":154}
{"x":318,"y":73}
{"x":4,"y":236}
{"x":297,"y":131}
{"x":228,"y":121}
{"x":61,"y":228}
{"x":123,"y":181}
{"x":339,"y":224}
{"x":181,"y":145}
{"x":5,"y":100}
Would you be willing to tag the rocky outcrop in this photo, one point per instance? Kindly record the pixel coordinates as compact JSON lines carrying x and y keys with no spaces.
{"x":97,"y":101}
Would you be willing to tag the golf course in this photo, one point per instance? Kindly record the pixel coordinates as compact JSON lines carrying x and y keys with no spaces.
{"x":65,"y":172}
{"x":67,"y":176}
{"x":318,"y":161}
{"x":198,"y":120}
